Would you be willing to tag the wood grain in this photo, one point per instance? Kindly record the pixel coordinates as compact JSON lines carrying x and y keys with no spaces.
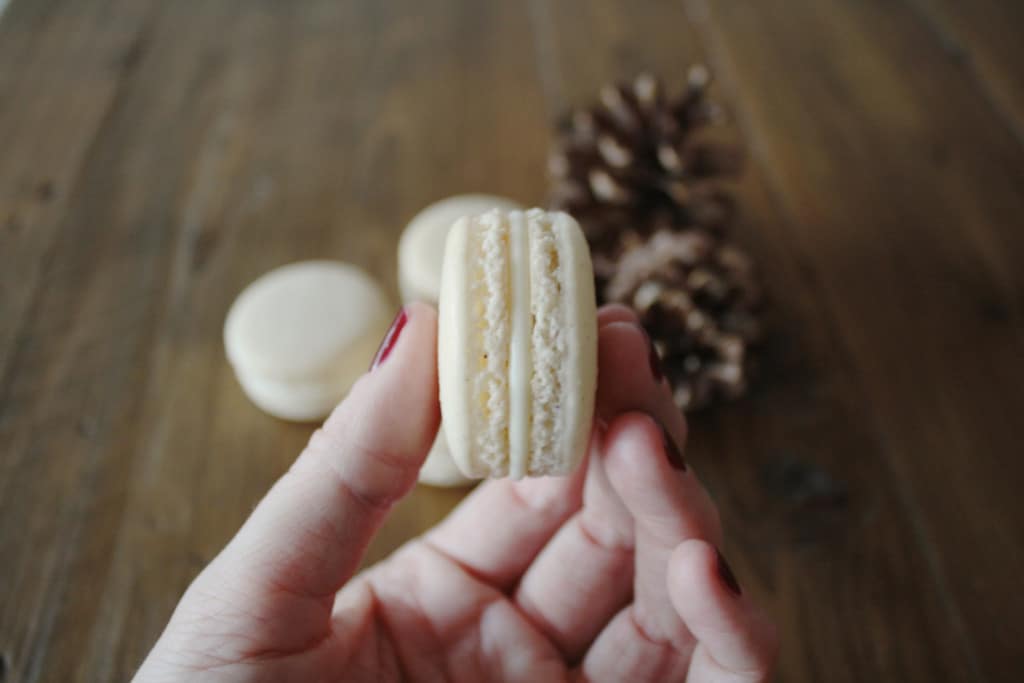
{"x":156,"y":157}
{"x":243,"y":137}
{"x":800,"y":475}
{"x":984,"y":37}
{"x":902,"y":184}
{"x":83,"y":54}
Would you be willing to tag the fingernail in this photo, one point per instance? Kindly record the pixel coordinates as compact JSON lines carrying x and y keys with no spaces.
{"x":653,"y":358}
{"x":390,"y":338}
{"x":672,"y":453}
{"x":725,"y":573}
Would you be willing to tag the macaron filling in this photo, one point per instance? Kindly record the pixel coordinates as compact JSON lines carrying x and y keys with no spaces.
{"x":490,"y":337}
{"x":520,"y":356}
{"x":549,"y":339}
{"x":522,"y":339}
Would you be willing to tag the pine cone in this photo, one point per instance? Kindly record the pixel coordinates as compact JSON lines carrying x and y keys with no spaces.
{"x":643,"y":174}
{"x":638,"y":161}
{"x":698,"y":299}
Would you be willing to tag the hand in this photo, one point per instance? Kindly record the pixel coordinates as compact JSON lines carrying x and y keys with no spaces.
{"x":610,"y":574}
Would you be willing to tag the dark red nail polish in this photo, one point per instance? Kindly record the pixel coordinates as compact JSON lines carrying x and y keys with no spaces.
{"x":728,"y":578}
{"x":390,"y":338}
{"x":653,"y":358}
{"x":672,"y":453}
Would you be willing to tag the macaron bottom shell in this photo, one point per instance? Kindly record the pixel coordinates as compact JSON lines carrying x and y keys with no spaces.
{"x":439,"y":469}
{"x":421,"y":247}
{"x":305,"y":401}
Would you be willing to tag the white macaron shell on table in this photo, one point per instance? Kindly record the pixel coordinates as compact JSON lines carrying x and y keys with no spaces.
{"x":421,"y":247}
{"x":517,"y":349}
{"x":297,"y":401}
{"x":301,"y":334}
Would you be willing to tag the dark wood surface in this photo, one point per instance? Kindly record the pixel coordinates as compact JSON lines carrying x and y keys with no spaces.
{"x":155,"y":157}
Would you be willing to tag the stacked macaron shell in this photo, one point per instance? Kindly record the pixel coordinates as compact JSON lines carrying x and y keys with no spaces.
{"x":300,"y":335}
{"x":420,"y":260}
{"x":421,"y":248}
{"x":517,"y":342}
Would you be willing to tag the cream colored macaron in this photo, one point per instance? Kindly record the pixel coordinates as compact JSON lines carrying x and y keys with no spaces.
{"x":421,"y":248}
{"x":300,"y":335}
{"x":517,"y":347}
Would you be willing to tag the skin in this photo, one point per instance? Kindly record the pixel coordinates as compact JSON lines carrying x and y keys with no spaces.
{"x":607,"y":575}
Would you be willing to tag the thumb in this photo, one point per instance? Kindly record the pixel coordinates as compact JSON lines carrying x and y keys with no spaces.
{"x":309,"y":533}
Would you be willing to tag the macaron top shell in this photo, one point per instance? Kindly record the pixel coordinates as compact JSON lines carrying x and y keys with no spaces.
{"x":517,"y":348}
{"x":307,"y":320}
{"x":421,"y":248}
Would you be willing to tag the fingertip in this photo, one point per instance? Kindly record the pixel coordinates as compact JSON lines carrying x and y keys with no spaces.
{"x":631,"y":425}
{"x":411,"y":339}
{"x":733,"y":632}
{"x":699,"y":572}
{"x":630,"y":378}
{"x":632,"y":443}
{"x":611,"y":313}
{"x":422,"y":311}
{"x":398,"y":396}
{"x":692,"y":552}
{"x":690,"y":567}
{"x":621,"y":341}
{"x":701,"y":601}
{"x":637,"y":442}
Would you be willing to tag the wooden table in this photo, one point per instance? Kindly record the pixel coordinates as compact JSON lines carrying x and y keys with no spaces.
{"x":157,"y":156}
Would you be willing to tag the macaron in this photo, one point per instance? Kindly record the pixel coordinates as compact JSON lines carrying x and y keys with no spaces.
{"x":300,"y":335}
{"x":420,"y":258}
{"x":517,"y":344}
{"x":439,"y":469}
{"x":421,"y":247}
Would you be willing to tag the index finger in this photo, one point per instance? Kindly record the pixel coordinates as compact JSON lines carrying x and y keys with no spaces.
{"x":308,"y":535}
